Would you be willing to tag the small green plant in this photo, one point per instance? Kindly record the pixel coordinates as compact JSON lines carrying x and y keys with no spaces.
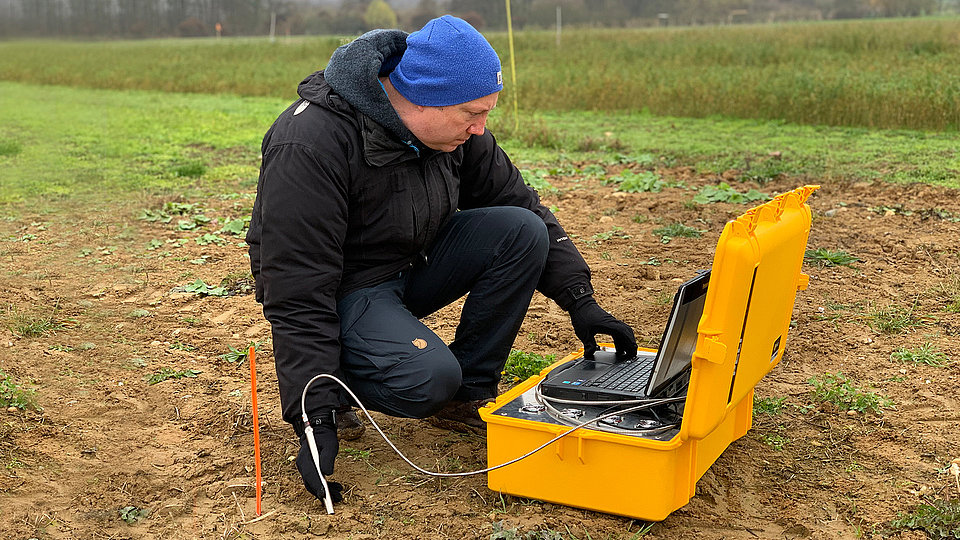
{"x":35,"y":325}
{"x":767,"y":405}
{"x":825,"y":257}
{"x":894,"y":319}
{"x":521,"y":365}
{"x":355,"y":454}
{"x":181,"y":346}
{"x":775,"y":441}
{"x":724,"y":193}
{"x":10,"y":148}
{"x":235,"y":227}
{"x":208,"y":238}
{"x":645,"y":181}
{"x":950,"y":291}
{"x":537,"y":179}
{"x":14,"y":395}
{"x":235,"y":355}
{"x":938,"y":519}
{"x":615,"y":232}
{"x":166,"y":374}
{"x":676,"y":230}
{"x":837,"y":389}
{"x":927,"y":353}
{"x":194,"y":169}
{"x":132,"y":514}
{"x":200,"y":287}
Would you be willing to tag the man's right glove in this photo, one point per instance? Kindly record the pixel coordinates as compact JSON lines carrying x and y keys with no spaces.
{"x":589,"y":319}
{"x":327,"y":447}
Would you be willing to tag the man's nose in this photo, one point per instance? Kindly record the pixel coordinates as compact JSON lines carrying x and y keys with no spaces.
{"x":476,"y":128}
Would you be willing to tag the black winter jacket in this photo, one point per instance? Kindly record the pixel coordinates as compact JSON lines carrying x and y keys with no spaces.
{"x":347,"y":198}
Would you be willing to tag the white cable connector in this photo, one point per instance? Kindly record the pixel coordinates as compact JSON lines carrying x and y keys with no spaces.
{"x":645,"y":404}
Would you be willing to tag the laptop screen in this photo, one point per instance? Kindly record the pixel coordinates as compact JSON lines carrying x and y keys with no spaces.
{"x":680,"y":336}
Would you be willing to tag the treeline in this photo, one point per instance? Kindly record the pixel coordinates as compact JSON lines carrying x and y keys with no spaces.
{"x":196,"y":18}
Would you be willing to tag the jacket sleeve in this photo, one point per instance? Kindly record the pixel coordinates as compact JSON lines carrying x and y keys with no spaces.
{"x":297,"y":230}
{"x":489,"y":178}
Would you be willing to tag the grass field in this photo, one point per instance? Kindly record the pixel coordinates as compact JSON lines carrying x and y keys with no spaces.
{"x":71,"y":142}
{"x":886,"y":74}
{"x":127,"y":171}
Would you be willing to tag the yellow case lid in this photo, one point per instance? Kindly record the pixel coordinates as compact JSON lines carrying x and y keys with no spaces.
{"x":743,"y":330}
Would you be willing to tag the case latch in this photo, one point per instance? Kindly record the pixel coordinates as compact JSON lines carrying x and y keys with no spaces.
{"x":803,"y":282}
{"x":711,"y":350}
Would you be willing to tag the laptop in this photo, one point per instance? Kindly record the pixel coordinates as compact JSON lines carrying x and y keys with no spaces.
{"x":661,"y":374}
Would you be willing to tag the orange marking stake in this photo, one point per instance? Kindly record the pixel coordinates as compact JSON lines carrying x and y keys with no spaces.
{"x":256,"y":421}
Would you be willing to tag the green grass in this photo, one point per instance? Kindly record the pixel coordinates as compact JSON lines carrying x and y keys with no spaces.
{"x":100,"y":145}
{"x":895,"y":319}
{"x":872,"y":73}
{"x":33,"y":325}
{"x":104,"y":143}
{"x":826,"y":257}
{"x":836,"y":388}
{"x":927,"y":353}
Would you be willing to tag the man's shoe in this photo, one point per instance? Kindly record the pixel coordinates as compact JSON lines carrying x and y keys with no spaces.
{"x":461,"y":416}
{"x":349,"y":426}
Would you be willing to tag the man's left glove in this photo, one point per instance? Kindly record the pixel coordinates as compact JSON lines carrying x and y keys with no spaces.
{"x":327,"y":447}
{"x":589,"y":319}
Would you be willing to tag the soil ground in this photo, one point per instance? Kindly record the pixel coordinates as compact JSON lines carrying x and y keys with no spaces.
{"x":110,"y":290}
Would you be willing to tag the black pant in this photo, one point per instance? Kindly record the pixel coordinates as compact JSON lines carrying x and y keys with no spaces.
{"x":395,"y":364}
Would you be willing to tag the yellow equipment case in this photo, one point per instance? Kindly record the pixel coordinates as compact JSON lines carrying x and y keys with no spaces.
{"x":741,"y":337}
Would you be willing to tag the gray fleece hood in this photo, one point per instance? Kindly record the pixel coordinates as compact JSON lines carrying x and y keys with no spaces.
{"x":353,"y":73}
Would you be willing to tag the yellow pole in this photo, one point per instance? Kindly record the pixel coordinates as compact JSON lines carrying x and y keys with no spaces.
{"x":513,"y":71}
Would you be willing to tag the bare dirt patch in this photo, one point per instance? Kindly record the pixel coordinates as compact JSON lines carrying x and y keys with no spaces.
{"x":175,"y":458}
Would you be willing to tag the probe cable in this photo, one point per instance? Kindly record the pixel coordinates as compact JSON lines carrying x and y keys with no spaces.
{"x":644,"y":404}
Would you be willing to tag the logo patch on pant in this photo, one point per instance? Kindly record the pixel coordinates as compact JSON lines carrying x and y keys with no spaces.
{"x":419,"y":343}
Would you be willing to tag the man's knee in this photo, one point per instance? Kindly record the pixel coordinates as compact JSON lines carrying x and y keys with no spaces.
{"x":529,"y":231}
{"x":422,"y":388}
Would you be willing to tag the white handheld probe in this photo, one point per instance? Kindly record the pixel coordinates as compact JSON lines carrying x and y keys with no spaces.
{"x":312,"y":443}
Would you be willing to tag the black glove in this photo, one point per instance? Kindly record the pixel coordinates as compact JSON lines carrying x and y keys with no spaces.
{"x":589,"y":319}
{"x":327,"y":447}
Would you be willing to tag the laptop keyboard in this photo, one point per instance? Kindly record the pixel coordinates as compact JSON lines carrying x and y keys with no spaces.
{"x":629,"y":376}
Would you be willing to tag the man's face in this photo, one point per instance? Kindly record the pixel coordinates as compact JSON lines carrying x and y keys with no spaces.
{"x":446,"y":128}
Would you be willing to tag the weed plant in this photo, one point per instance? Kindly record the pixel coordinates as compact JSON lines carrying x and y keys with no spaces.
{"x":895,"y":319}
{"x":166,"y":374}
{"x":927,"y":353}
{"x":826,"y":257}
{"x":726,"y":193}
{"x":14,"y":395}
{"x":950,"y":292}
{"x":643,"y":182}
{"x":522,"y":365}
{"x":836,"y":388}
{"x":768,"y":406}
{"x":938,"y":519}
{"x":237,"y":356}
{"x":676,"y":230}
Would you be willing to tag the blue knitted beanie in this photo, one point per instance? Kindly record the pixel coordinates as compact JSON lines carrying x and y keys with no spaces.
{"x":447,"y":62}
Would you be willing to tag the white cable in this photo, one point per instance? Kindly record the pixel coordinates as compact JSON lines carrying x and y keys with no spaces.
{"x":648,"y":404}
